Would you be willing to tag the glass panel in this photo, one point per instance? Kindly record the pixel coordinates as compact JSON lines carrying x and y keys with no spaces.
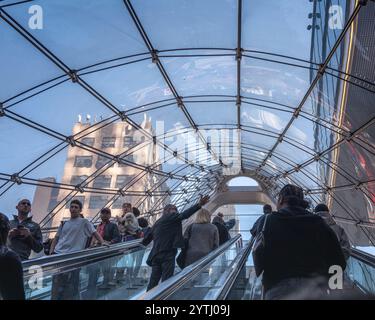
{"x":225,"y":113}
{"x":289,"y":18}
{"x":202,"y":75}
{"x":17,"y":73}
{"x":302,"y":131}
{"x":115,"y":278}
{"x":123,"y":86}
{"x":83,"y":161}
{"x":273,"y":81}
{"x":162,"y":120}
{"x":25,"y":141}
{"x":123,"y":180}
{"x":98,"y":202}
{"x":77,"y":179}
{"x":102,"y":182}
{"x":363,"y":275}
{"x":263,"y":118}
{"x":109,"y":31}
{"x":207,"y":280}
{"x":258,"y":140}
{"x":201,"y":22}
{"x":293,"y":153}
{"x":67,"y":109}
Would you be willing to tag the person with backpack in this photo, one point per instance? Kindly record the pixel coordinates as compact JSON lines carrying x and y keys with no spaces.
{"x":201,"y":237}
{"x":298,"y":248}
{"x":72,"y":235}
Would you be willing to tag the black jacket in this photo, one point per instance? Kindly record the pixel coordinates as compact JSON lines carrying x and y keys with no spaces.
{"x":11,"y":275}
{"x":298,"y":244}
{"x":167,"y":234}
{"x":23,"y":246}
{"x":223,"y":232}
{"x":111,"y":233}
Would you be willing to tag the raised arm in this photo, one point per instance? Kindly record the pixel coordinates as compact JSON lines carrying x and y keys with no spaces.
{"x":189,"y":212}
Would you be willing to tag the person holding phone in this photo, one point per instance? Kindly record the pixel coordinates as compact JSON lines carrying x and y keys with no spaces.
{"x":25,"y":234}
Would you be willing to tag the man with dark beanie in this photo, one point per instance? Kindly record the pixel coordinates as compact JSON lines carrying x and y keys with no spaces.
{"x":300,"y":248}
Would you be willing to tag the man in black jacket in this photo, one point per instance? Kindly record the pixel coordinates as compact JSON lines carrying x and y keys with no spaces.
{"x":267,"y":209}
{"x":167,"y":236}
{"x":25,"y":234}
{"x":300,"y":248}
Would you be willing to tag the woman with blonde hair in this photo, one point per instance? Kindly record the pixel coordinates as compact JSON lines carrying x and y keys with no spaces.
{"x":201,"y":237}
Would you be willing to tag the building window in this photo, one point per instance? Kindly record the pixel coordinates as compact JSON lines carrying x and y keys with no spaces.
{"x":80,"y":198}
{"x":75,"y":180}
{"x":128,"y":158}
{"x":102,"y":181}
{"x":98,"y":202}
{"x":129,"y":142}
{"x":108,"y":142}
{"x":101,"y":162}
{"x":83,"y":161}
{"x":88,"y":141}
{"x":123,"y":180}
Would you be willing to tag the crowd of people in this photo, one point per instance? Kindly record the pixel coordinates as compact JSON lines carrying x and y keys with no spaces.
{"x":299,"y":246}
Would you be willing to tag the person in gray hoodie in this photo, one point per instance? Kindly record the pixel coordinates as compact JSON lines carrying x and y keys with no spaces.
{"x":323,"y":211}
{"x":202,"y":236}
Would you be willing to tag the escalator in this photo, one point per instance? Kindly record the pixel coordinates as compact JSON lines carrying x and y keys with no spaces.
{"x":89,"y":267}
{"x":229,"y":274}
{"x":225,"y":274}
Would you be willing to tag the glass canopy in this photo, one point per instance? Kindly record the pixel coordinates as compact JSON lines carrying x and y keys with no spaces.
{"x":149,"y":102}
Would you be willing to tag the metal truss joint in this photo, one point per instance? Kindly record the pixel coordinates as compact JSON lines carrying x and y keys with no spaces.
{"x":2,"y":110}
{"x":73,"y":76}
{"x":16,"y":178}
{"x":322,"y":69}
{"x":154,"y":56}
{"x":70,"y":140}
{"x":79,"y":188}
{"x":239,"y":52}
{"x":123,"y":116}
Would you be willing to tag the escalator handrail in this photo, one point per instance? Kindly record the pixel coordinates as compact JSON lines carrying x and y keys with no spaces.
{"x":58,"y":261}
{"x":229,"y":277}
{"x":169,"y":286}
{"x":363,"y":256}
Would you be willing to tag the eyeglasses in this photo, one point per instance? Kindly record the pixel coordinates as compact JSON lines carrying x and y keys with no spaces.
{"x":74,"y":207}
{"x":26,"y":203}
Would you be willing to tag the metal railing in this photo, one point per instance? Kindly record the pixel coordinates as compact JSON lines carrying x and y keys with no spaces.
{"x":228,"y":278}
{"x":67,"y":261}
{"x":170,"y":286}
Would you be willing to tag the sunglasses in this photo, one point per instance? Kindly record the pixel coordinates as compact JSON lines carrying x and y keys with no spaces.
{"x":26,"y":203}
